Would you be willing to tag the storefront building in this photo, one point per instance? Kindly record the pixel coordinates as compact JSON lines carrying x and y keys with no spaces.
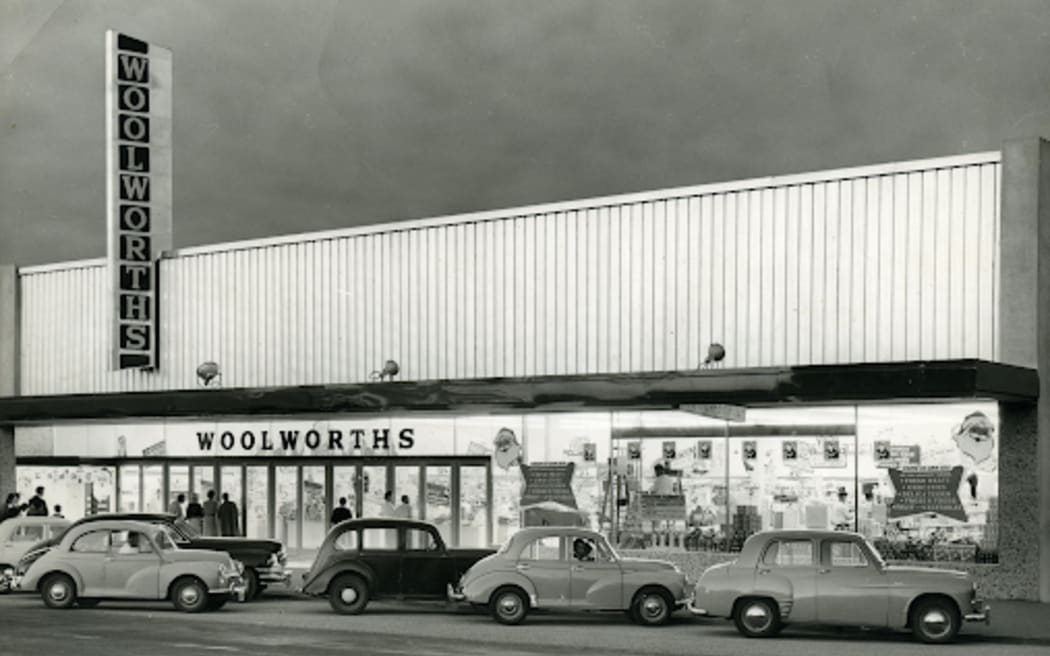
{"x":860,"y":348}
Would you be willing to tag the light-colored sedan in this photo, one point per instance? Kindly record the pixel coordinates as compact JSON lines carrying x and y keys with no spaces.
{"x":18,"y":535}
{"x":122,"y":559}
{"x":834,"y":578}
{"x":570,"y":569}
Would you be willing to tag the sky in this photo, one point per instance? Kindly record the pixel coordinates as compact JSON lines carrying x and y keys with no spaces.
{"x":292,"y":117}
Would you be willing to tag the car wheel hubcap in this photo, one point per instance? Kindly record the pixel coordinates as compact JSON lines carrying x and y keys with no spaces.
{"x":59,"y":591}
{"x":190,"y":595}
{"x":935,"y":622}
{"x":348,"y":595}
{"x":653,"y":607}
{"x":509,"y":605}
{"x":756,"y":617}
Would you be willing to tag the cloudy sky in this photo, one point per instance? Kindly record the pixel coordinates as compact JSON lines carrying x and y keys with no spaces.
{"x":318,"y":114}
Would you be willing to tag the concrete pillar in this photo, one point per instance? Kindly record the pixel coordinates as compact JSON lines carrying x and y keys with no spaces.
{"x":9,"y":356}
{"x":1024,"y":320}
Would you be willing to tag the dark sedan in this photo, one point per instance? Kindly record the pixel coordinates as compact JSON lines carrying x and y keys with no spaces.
{"x":366,"y":559}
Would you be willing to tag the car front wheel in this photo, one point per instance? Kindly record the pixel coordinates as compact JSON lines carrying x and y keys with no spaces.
{"x":935,"y":621}
{"x":189,"y":595}
{"x":757,"y":618}
{"x":509,"y":606}
{"x":58,"y":591}
{"x":348,"y":594}
{"x":651,"y":608}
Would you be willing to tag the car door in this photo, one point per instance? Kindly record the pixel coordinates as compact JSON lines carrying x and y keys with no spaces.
{"x":425,"y":564}
{"x":132,"y":566}
{"x":87,"y":556}
{"x":794,"y":561}
{"x":596,"y":579}
{"x":544,"y":563}
{"x":851,"y":589}
{"x":379,"y":550}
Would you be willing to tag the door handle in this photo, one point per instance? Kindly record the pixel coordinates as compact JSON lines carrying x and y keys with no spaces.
{"x":577,"y":568}
{"x":765,"y":571}
{"x":824,"y":570}
{"x":521,"y":567}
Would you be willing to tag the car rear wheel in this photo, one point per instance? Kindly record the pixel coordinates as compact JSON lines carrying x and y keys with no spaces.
{"x":935,"y":621}
{"x":509,"y":606}
{"x":189,"y":595}
{"x":651,"y":607}
{"x":348,"y":594}
{"x":58,"y":591}
{"x":757,"y":618}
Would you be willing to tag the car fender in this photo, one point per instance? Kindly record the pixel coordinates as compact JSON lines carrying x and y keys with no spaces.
{"x":208,"y":572}
{"x":71,"y":572}
{"x":774,"y":586}
{"x":479,"y":590}
{"x":319,"y":585}
{"x":670,"y":580}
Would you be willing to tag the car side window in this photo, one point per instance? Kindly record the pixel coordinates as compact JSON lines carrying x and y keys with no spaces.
{"x":586,"y":550}
{"x":347,"y":541}
{"x":379,"y":539}
{"x":841,"y":553}
{"x":789,"y":553}
{"x":417,"y":539}
{"x":545,"y":548}
{"x":126,"y":543}
{"x":28,"y":534}
{"x":93,"y":542}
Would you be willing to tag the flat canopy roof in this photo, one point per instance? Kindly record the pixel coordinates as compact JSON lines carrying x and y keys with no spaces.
{"x":811,"y":384}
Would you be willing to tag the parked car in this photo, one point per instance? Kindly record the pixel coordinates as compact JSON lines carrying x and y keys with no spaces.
{"x":122,"y":559}
{"x":563,"y":568}
{"x":18,"y":535}
{"x":264,"y":560}
{"x":385,"y":558}
{"x":834,"y":578}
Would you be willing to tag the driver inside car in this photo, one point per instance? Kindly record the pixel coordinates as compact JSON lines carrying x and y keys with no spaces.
{"x":582,"y":550}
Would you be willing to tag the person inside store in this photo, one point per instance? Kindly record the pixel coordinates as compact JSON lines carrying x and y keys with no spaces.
{"x":405,"y":509}
{"x":211,"y":514}
{"x":842,"y":512}
{"x":58,"y":512}
{"x":341,"y":513}
{"x":663,"y":484}
{"x":389,"y":509}
{"x":37,"y":507}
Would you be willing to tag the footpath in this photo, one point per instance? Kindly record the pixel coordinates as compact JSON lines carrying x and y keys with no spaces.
{"x":1023,"y":620}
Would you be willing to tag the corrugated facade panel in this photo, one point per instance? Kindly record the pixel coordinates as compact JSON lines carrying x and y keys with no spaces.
{"x":893,"y":266}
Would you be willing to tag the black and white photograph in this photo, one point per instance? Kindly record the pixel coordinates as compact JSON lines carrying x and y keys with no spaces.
{"x":592,"y":327}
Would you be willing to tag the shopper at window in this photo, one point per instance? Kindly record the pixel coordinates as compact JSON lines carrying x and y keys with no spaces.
{"x":842,"y":512}
{"x":12,"y":507}
{"x":342,"y":513}
{"x":211,"y":514}
{"x":663,"y":484}
{"x":389,"y":510}
{"x":178,"y":507}
{"x":195,"y":513}
{"x":404,"y":511}
{"x":58,"y":512}
{"x":37,"y":505}
{"x":229,"y":517}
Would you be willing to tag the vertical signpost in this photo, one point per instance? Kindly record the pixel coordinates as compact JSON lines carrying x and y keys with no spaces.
{"x":138,"y":192}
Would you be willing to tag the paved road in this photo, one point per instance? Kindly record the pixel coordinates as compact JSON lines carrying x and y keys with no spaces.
{"x":305,"y":626}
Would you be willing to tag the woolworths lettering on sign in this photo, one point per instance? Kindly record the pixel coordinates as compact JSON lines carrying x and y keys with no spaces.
{"x":320,"y":442}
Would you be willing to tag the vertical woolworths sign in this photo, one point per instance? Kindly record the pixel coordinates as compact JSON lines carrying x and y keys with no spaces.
{"x":138,"y":192}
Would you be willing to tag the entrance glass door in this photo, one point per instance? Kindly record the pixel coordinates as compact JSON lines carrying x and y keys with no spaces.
{"x":233,"y":486}
{"x":475,"y":501}
{"x":153,"y":489}
{"x":256,"y":503}
{"x":437,"y":507}
{"x":287,"y":501}
{"x":344,"y":486}
{"x":406,"y":488}
{"x":315,"y":510}
{"x":178,"y":483}
{"x":374,"y":486}
{"x":129,"y":497}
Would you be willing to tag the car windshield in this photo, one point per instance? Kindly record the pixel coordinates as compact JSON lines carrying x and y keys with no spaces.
{"x":875,"y":555}
{"x":164,"y":537}
{"x":606,"y":550}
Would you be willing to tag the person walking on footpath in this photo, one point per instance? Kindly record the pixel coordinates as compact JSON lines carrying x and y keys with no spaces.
{"x":341,"y":513}
{"x":229,"y":517}
{"x":37,"y":507}
{"x":211,"y":515}
{"x":195,"y":513}
{"x":178,"y":507}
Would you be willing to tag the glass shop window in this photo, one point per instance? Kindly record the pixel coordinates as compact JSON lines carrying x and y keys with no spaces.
{"x":789,"y":553}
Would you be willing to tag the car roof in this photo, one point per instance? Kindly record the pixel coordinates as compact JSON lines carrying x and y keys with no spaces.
{"x":113,"y":525}
{"x":141,"y":517}
{"x":533,"y":532}
{"x":383,"y":522}
{"x":804,"y":534}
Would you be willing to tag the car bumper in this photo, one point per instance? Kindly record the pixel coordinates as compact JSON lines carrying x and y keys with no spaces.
{"x":691,"y":606}
{"x":454,"y":594}
{"x":275,"y":574}
{"x":235,"y":587}
{"x":981,"y":613}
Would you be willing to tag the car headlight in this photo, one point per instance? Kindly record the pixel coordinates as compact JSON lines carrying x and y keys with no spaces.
{"x":9,"y":572}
